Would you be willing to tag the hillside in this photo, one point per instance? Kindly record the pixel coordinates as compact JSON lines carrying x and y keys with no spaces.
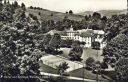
{"x":107,"y":13}
{"x":46,"y":15}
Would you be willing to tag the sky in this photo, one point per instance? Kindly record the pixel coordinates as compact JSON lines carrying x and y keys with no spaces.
{"x":77,"y":5}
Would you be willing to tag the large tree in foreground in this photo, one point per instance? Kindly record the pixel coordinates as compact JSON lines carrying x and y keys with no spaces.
{"x":17,"y":52}
{"x":116,"y":54}
{"x":18,"y":49}
{"x":115,"y":49}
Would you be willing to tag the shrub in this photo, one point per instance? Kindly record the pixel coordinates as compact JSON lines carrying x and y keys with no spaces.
{"x":90,"y":62}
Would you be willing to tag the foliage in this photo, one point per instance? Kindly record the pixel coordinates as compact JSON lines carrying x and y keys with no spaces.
{"x":115,"y":49}
{"x":18,"y":49}
{"x":33,"y":17}
{"x":116,"y":53}
{"x":95,"y":45}
{"x":122,"y":69}
{"x":15,"y":4}
{"x":104,"y":65}
{"x":96,"y":15}
{"x":62,"y":68}
{"x":23,"y":6}
{"x":55,"y":42}
{"x":16,"y":53}
{"x":66,"y":43}
{"x":19,"y":14}
{"x":70,"y":12}
{"x":117,"y":24}
{"x":76,"y":52}
{"x":6,"y":13}
{"x":90,"y":62}
{"x":31,"y":7}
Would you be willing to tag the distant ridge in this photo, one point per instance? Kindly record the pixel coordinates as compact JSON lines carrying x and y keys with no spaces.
{"x":105,"y":12}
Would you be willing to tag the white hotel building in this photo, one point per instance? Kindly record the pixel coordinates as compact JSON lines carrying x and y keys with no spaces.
{"x":86,"y":35}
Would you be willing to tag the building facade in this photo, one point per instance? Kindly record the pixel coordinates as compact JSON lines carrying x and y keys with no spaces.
{"x":86,"y":35}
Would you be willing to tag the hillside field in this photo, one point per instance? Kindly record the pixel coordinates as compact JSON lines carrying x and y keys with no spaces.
{"x":56,"y":16}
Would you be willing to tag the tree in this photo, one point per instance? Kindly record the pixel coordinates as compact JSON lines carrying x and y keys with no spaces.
{"x":62,"y":68}
{"x":96,"y":15}
{"x":35,"y":25}
{"x":6,"y":13}
{"x":31,"y":7}
{"x":39,"y":13}
{"x":15,"y":4}
{"x":122,"y":69}
{"x":104,"y":18}
{"x":86,"y":17}
{"x":66,"y":12}
{"x":70,"y":12}
{"x":47,"y":39}
{"x":104,"y":65}
{"x":1,"y":5}
{"x":17,"y":50}
{"x":23,"y":6}
{"x":33,"y":16}
{"x":95,"y":45}
{"x":5,"y":2}
{"x":124,"y":31}
{"x":52,"y":14}
{"x":115,"y":49}
{"x":90,"y":62}
{"x":95,"y":27}
{"x":55,"y":42}
{"x":115,"y":17}
{"x":76,"y":52}
{"x":19,"y":14}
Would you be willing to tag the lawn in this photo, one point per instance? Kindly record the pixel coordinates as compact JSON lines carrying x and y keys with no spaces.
{"x":86,"y":74}
{"x":47,"y":69}
{"x":87,"y":52}
{"x":96,"y":54}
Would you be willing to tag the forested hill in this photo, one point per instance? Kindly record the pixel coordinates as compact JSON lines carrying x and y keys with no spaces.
{"x":44,"y":14}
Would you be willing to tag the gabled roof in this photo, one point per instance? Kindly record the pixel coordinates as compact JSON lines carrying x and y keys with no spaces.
{"x":87,"y":33}
{"x":52,"y":32}
{"x":99,"y":32}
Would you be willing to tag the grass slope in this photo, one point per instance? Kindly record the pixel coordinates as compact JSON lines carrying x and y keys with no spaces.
{"x":47,"y":69}
{"x":86,"y":74}
{"x":46,"y":15}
